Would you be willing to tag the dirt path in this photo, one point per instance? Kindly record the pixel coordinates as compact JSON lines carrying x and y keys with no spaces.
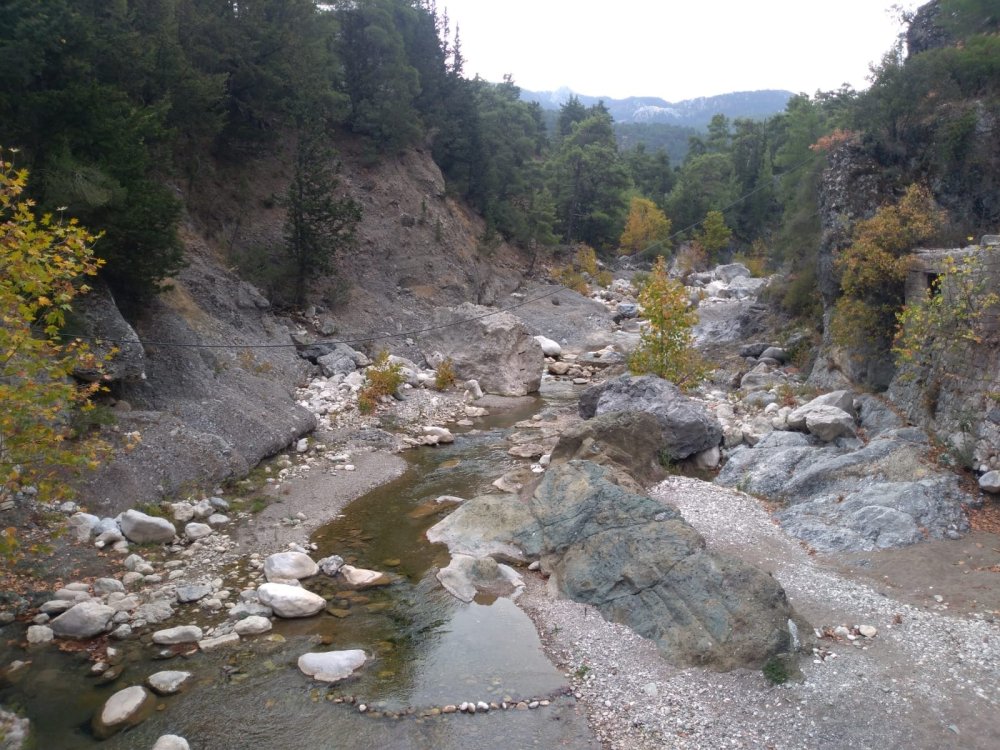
{"x":929,"y":679}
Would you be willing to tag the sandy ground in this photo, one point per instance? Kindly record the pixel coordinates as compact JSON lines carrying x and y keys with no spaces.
{"x":319,"y":495}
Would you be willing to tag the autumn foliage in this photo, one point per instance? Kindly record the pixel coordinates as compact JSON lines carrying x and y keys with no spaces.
{"x":874,"y":268}
{"x":42,"y":263}
{"x":647,"y":228}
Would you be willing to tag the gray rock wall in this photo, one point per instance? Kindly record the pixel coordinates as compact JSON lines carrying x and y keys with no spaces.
{"x":202,"y":414}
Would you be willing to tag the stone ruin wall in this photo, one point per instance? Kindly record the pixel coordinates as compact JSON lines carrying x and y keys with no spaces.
{"x":956,"y":396}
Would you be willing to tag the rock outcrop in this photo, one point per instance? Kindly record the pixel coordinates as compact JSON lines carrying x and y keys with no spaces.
{"x":109,"y":336}
{"x":685,"y":426}
{"x":633,"y":558}
{"x":202,"y":415}
{"x":639,"y":563}
{"x":629,"y":442}
{"x":848,"y":496}
{"x":493,"y":348}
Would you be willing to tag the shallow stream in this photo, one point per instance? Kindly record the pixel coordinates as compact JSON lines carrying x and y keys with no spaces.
{"x":427,"y":648}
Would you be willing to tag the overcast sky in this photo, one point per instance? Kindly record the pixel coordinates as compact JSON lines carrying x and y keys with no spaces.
{"x":674,"y":49}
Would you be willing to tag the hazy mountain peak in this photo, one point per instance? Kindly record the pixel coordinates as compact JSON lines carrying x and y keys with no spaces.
{"x":690,"y":112}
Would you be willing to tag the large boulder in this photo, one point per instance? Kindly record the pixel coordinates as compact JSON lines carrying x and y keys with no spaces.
{"x":340,"y":359}
{"x":497,"y":526}
{"x":177,"y":635}
{"x":686,"y":427}
{"x":630,"y":441}
{"x":829,"y":423}
{"x":990,"y":482}
{"x":141,"y":528}
{"x":83,"y":620}
{"x":639,"y":563}
{"x":494,"y":348}
{"x":883,"y":494}
{"x":843,"y":400}
{"x":114,"y":342}
{"x":881,"y":516}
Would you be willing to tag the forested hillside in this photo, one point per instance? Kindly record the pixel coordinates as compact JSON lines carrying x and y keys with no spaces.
{"x":118,"y":108}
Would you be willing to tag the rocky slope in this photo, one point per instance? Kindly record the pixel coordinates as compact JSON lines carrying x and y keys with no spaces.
{"x":212,"y":393}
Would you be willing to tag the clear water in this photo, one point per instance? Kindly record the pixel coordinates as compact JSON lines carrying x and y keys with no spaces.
{"x":427,"y":649}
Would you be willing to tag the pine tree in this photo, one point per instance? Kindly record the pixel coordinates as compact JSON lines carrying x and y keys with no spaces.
{"x":318,"y":224}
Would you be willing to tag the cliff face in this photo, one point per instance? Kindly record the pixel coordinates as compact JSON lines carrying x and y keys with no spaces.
{"x":953,"y":394}
{"x":924,"y":32}
{"x":853,"y":186}
{"x":212,"y":411}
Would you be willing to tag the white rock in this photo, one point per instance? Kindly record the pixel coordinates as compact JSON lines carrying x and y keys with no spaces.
{"x":549,"y":347}
{"x":868,"y":631}
{"x":252,"y":625}
{"x":168,"y":682}
{"x":83,"y":620}
{"x":82,"y":525}
{"x":290,"y":601}
{"x":443,"y":434}
{"x":142,"y":529}
{"x":708,"y":459}
{"x":210,"y":644}
{"x":180,"y":634}
{"x":990,"y":482}
{"x":359,"y":576}
{"x":182,"y":512}
{"x":104,"y":586}
{"x":829,"y":423}
{"x":125,"y":708}
{"x":40,"y":634}
{"x":195,"y":531}
{"x":843,"y":400}
{"x":171,"y":742}
{"x":289,"y":565}
{"x":332,"y":666}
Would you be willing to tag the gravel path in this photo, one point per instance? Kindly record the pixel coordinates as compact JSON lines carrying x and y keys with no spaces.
{"x":928,"y":679}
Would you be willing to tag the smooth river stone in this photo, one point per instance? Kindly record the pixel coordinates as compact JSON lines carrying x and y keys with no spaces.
{"x":180,"y":634}
{"x":168,"y":682}
{"x":171,"y":742}
{"x":84,"y":620}
{"x":361,"y":577}
{"x":287,"y":565}
{"x":290,"y":601}
{"x":126,"y":708}
{"x":332,"y":666}
{"x":252,"y":625}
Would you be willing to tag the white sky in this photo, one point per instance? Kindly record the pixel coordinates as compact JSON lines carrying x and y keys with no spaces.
{"x":674,"y":49}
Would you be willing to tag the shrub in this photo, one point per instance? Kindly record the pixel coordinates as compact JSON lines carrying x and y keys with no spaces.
{"x":873,"y":269}
{"x":382,"y":378}
{"x":444,"y":377}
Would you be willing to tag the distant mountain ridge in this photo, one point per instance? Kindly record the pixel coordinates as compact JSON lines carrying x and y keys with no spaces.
{"x":694,"y":113}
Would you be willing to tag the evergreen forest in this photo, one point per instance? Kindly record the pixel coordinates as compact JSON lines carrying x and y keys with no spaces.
{"x":114,"y":106}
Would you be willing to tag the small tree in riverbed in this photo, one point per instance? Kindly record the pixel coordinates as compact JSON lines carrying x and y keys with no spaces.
{"x":666,"y":344}
{"x":318,"y":224}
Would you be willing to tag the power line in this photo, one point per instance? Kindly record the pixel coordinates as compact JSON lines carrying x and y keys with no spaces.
{"x":361,"y":339}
